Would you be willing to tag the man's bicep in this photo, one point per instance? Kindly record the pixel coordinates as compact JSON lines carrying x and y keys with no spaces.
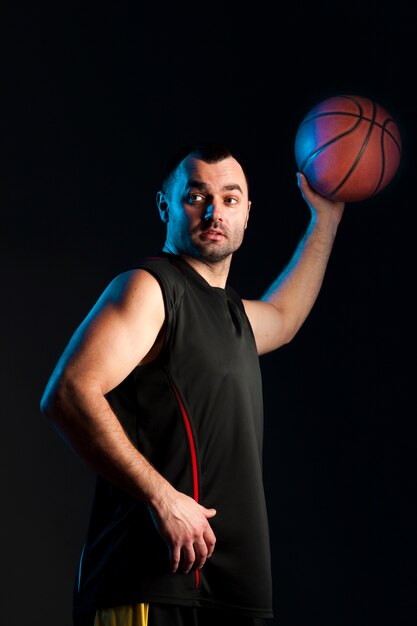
{"x":267,"y":325}
{"x":118,"y":332}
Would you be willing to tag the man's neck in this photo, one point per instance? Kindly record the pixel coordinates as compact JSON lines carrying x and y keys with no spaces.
{"x":214,"y":272}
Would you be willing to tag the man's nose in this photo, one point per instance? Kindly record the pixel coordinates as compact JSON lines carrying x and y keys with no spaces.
{"x":212,"y":212}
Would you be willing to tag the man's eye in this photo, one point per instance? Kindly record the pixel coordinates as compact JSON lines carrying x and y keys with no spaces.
{"x":194,"y":198}
{"x":231,"y":201}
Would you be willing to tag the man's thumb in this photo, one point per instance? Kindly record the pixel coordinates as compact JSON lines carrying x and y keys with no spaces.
{"x":208,"y":512}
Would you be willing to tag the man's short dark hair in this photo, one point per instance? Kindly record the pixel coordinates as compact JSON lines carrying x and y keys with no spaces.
{"x":209,"y":152}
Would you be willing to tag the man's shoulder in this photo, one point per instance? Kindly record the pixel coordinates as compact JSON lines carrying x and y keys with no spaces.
{"x":160,"y":264}
{"x":167,"y":272}
{"x":164,"y":264}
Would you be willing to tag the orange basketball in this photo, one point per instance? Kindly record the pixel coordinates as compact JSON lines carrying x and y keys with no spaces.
{"x":348,"y":147}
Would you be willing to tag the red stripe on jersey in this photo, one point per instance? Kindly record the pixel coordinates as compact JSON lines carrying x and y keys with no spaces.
{"x":191,"y":444}
{"x":193,"y":458}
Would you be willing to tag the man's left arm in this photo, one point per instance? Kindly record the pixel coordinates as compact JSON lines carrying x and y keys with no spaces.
{"x":281,"y":311}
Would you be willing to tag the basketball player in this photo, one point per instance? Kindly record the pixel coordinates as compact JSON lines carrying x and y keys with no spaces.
{"x":159,"y":391}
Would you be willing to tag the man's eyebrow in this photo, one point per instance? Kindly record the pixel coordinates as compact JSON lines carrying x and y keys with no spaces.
{"x":198,"y":184}
{"x":232,"y":187}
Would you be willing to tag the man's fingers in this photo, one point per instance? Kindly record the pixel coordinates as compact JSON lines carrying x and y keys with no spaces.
{"x":188,"y":557}
{"x":210,"y":541}
{"x":208,"y":512}
{"x":201,"y":553}
{"x":175,"y":558}
{"x":314,"y":199}
{"x":193,"y":554}
{"x":306,"y":191}
{"x":188,"y":534}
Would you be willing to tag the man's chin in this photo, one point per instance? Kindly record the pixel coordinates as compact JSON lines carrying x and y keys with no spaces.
{"x":214,"y":254}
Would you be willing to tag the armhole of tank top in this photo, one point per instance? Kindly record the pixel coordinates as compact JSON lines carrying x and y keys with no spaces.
{"x":235,"y":298}
{"x":170,"y":304}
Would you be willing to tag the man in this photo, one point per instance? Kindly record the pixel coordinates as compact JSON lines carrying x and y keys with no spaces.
{"x":159,"y":391}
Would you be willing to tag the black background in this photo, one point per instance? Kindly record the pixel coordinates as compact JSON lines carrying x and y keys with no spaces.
{"x":93,"y":101}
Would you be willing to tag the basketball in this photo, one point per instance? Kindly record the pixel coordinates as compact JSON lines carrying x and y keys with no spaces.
{"x":348,"y":148}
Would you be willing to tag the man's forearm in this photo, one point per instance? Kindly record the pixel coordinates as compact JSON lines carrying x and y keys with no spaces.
{"x":86,"y":421}
{"x":297,"y":287}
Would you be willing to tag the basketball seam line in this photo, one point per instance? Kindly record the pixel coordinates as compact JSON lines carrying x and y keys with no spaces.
{"x":361,"y":117}
{"x":328,"y":143}
{"x":381,"y":178}
{"x":360,"y":153}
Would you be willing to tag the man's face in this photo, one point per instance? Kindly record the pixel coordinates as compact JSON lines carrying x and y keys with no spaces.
{"x":206,"y":209}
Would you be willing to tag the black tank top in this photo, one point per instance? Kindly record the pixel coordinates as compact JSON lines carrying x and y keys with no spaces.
{"x":196,"y":414}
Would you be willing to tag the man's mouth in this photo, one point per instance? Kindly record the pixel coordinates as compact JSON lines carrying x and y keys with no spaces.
{"x":214,"y":234}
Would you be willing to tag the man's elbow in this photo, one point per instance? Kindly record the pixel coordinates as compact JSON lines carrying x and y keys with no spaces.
{"x":55,"y":396}
{"x":50,"y":398}
{"x":44,"y":405}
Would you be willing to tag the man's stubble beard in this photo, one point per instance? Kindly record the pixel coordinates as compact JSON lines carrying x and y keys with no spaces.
{"x":212,"y":253}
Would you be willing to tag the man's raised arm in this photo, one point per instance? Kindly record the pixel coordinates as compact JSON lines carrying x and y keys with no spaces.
{"x":278,"y":315}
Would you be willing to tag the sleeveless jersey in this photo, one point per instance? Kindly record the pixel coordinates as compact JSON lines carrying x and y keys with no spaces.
{"x":196,"y":414}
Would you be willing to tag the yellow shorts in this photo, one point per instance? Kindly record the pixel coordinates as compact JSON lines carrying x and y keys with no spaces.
{"x":131,"y":615}
{"x":137,"y":615}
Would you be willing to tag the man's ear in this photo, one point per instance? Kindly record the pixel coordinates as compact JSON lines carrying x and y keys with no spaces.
{"x":247,"y":214}
{"x":162,"y":206}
